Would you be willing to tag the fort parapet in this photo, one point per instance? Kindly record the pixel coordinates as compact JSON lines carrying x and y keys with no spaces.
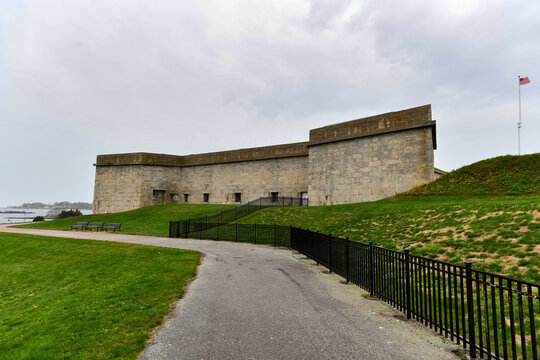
{"x":354,"y":161}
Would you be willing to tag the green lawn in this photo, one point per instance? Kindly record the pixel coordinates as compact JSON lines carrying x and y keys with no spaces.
{"x":151,"y":220}
{"x":501,"y":235}
{"x":80,"y":299}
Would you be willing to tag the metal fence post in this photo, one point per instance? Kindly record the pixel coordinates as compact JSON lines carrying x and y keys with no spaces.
{"x":255,"y":234}
{"x":217,"y":232}
{"x":407,"y":284}
{"x":330,"y":252}
{"x":291,"y":238}
{"x":371,"y":268}
{"x":236,"y":233}
{"x":470,"y":310}
{"x":347,"y":262}
{"x":275,"y":235}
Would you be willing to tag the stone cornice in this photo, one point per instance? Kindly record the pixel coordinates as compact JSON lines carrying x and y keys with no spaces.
{"x":408,"y":119}
{"x":221,"y":157}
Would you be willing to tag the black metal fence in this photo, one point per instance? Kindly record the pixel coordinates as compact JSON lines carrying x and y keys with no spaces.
{"x":227,"y":216}
{"x":493,"y":316}
{"x":273,"y":235}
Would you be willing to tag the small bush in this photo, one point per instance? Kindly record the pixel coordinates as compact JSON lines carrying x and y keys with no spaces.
{"x":69,"y":213}
{"x":38,"y":218}
{"x":523,"y":262}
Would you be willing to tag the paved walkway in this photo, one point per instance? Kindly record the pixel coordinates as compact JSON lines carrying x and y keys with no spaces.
{"x":257,"y":302}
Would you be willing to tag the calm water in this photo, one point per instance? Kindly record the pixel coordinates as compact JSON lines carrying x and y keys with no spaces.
{"x":26,"y":217}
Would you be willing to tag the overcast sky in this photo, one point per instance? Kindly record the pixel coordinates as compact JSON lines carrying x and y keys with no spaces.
{"x":80,"y":78}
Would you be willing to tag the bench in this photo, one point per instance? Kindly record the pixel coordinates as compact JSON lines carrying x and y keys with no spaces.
{"x":80,"y":225}
{"x":95,"y":225}
{"x":113,"y":226}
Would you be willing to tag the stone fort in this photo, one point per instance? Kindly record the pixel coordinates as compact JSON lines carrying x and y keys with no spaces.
{"x":355,"y":161}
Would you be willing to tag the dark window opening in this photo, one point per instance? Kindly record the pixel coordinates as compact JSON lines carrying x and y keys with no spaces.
{"x":274,"y":196}
{"x":304,"y":198}
{"x":174,"y":197}
{"x":158,"y":193}
{"x":206,"y":197}
{"x":186,"y":197}
{"x":237,"y":197}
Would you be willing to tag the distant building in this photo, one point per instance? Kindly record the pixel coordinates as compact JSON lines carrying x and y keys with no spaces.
{"x":354,"y":161}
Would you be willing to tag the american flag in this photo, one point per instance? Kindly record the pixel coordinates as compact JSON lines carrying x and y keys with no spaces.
{"x":524,"y":80}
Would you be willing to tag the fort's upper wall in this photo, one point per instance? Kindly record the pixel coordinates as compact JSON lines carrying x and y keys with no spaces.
{"x":417,"y":117}
{"x":258,"y":153}
{"x":221,"y":157}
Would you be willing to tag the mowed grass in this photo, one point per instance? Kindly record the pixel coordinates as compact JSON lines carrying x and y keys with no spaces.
{"x":151,"y":220}
{"x":81,"y":299}
{"x":500,"y":235}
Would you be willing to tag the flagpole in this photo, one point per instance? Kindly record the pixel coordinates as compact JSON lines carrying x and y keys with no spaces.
{"x":519,"y":123}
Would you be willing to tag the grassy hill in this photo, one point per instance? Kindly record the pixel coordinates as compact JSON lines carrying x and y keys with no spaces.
{"x":465,"y":215}
{"x":503,"y":175}
{"x":151,"y":220}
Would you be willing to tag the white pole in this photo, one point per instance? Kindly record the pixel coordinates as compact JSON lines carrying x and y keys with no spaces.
{"x":519,"y":123}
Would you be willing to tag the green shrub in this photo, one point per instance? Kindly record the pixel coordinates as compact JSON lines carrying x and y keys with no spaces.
{"x":68,"y":213}
{"x":38,"y":218}
{"x":523,"y":262}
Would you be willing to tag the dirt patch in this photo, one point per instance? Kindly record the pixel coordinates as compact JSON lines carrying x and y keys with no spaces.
{"x":492,"y":214}
{"x":483,"y":237}
{"x":508,"y":261}
{"x":437,"y":231}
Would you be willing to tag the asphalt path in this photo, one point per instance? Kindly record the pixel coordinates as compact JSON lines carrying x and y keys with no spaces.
{"x":257,"y":302}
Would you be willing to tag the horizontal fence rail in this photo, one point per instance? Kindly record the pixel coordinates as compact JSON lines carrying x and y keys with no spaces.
{"x":493,"y":316}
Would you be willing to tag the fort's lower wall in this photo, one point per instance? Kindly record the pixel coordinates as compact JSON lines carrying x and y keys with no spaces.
{"x":252,"y":179}
{"x":370,"y":168}
{"x":126,"y":187}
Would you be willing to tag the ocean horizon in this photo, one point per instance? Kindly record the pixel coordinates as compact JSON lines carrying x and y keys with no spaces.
{"x":26,"y":215}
